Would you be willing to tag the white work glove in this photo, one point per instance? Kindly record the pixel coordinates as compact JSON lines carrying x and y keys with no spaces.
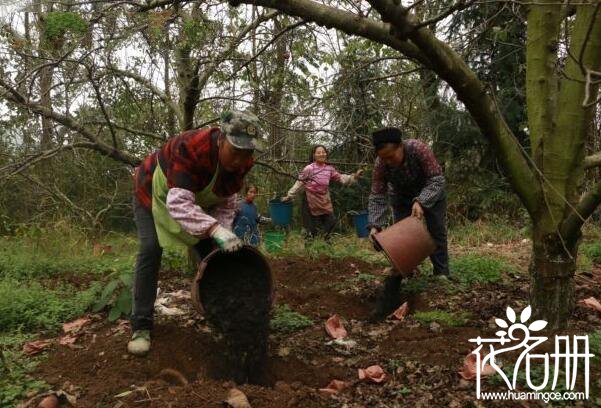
{"x":226,"y":239}
{"x":285,"y":199}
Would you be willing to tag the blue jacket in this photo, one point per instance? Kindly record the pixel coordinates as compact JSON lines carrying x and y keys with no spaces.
{"x":246,"y":223}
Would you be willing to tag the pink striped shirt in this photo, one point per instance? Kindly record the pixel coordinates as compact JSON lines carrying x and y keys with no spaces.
{"x":316,"y":177}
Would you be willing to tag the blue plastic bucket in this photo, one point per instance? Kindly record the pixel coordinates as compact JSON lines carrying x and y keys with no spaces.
{"x":360,"y":223}
{"x":281,"y":213}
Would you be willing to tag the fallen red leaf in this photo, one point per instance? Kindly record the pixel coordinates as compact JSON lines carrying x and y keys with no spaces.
{"x":67,"y":340}
{"x":469,"y":368}
{"x":237,"y":399}
{"x":35,"y":347}
{"x":76,"y":325}
{"x":372,"y":373}
{"x":400,"y":313}
{"x":334,"y":387}
{"x":100,"y":249}
{"x":335,"y":328}
{"x":591,"y":303}
{"x":51,"y":401}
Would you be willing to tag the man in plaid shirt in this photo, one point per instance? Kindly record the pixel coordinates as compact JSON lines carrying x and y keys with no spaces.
{"x":185,"y":194}
{"x":407,"y":174}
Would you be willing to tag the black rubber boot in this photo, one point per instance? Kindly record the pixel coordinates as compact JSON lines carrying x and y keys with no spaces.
{"x":389,"y":299}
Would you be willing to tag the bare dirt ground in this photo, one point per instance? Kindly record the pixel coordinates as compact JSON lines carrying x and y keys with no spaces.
{"x":421,"y":360}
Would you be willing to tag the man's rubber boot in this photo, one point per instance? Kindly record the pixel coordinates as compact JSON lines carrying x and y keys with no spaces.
{"x":139,"y":345}
{"x":389,"y":298}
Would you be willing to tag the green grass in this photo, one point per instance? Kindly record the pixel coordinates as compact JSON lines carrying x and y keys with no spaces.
{"x":286,"y":320}
{"x":32,"y":307}
{"x":443,"y":317}
{"x":479,"y":233}
{"x":338,"y":246}
{"x":594,"y":339}
{"x":592,"y":251}
{"x":15,"y":370}
{"x":471,"y":268}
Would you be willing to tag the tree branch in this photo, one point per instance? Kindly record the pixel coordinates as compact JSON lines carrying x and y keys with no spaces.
{"x":345,"y":21}
{"x":151,"y":87}
{"x":593,"y":160}
{"x":589,"y":201}
{"x":18,"y":99}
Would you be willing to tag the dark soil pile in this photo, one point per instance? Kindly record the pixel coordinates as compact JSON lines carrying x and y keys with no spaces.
{"x":236,"y":295}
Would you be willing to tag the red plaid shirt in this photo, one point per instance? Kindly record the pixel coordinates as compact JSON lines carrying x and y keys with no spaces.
{"x":189,"y":161}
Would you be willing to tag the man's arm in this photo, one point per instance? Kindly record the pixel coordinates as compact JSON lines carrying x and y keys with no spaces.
{"x":225,"y":212}
{"x":182,"y":207}
{"x":378,"y":200}
{"x":435,"y":182}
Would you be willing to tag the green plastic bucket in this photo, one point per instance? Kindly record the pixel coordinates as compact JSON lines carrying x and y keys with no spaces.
{"x":274,"y":240}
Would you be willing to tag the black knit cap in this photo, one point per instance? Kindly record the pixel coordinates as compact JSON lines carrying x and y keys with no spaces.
{"x":386,"y":135}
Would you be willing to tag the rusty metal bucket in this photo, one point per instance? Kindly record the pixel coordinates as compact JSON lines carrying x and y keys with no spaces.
{"x":406,"y":244}
{"x":249,"y":254}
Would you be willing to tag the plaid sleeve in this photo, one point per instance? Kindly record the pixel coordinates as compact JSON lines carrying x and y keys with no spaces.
{"x":435,"y":184}
{"x":378,"y":202}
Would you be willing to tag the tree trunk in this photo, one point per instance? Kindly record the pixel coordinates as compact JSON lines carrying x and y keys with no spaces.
{"x":552,"y":271}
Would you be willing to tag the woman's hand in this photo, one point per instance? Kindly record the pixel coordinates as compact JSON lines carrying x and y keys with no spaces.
{"x":358,"y":174}
{"x":417,"y":211}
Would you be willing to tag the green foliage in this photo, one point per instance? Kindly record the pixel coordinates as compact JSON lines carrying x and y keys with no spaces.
{"x":480,"y":233}
{"x":415,"y":285}
{"x":15,"y":379}
{"x":593,"y":251}
{"x":31,"y":306}
{"x":367,"y":277}
{"x":58,"y":23}
{"x":471,"y":268}
{"x":339,"y":246}
{"x":286,"y":320}
{"x":34,"y":260}
{"x":594,"y":339}
{"x":173,"y":260}
{"x":441,"y":316}
{"x":117,"y":295}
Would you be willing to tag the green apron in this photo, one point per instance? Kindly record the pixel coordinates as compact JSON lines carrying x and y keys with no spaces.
{"x":170,"y":232}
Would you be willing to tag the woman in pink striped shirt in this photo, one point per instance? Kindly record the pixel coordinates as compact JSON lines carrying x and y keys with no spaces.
{"x":317,"y":211}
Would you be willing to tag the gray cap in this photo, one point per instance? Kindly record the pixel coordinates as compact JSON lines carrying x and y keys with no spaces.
{"x":242,"y":129}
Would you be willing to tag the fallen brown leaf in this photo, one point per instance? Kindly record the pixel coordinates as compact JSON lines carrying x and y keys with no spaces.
{"x":76,"y":325}
{"x":334,"y":387}
{"x":35,"y":347}
{"x":591,"y":303}
{"x":67,"y":340}
{"x":469,"y":371}
{"x":51,"y":401}
{"x":373,"y":373}
{"x":400,"y":313}
{"x":237,"y":399}
{"x":335,"y":328}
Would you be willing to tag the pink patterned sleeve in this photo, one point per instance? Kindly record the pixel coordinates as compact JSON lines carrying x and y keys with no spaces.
{"x":335,"y":175}
{"x":226,"y":211}
{"x":181,"y":204}
{"x":344,"y":179}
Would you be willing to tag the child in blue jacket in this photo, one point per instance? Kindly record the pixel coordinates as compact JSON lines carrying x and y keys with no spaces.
{"x":246,"y":223}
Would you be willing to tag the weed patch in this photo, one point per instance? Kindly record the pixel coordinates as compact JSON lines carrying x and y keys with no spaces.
{"x":440,"y":316}
{"x":15,"y":370}
{"x":471,"y":268}
{"x":286,"y":320}
{"x":593,"y":252}
{"x":33,"y":307}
